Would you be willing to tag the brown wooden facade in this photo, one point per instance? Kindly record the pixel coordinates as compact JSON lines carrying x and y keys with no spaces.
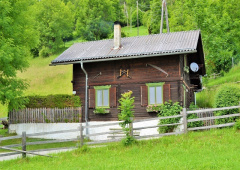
{"x":178,"y":84}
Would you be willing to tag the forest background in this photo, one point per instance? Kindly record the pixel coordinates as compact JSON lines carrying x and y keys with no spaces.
{"x":40,"y":28}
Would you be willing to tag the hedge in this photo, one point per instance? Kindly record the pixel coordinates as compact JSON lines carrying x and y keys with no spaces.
{"x":52,"y":101}
{"x":227,"y":95}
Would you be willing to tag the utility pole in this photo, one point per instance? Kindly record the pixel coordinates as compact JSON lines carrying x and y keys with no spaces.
{"x":137,"y":21}
{"x":164,"y":9}
{"x":126,"y":12}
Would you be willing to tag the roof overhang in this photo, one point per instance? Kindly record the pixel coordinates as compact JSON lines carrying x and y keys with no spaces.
{"x":133,"y":56}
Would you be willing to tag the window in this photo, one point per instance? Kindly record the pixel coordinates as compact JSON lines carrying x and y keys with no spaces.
{"x":102,"y":96}
{"x":155,"y":93}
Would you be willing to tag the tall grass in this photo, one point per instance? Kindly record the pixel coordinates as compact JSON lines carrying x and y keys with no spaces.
{"x":205,"y":98}
{"x":215,"y":149}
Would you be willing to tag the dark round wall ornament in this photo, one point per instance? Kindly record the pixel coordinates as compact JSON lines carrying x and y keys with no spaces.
{"x":194,"y":67}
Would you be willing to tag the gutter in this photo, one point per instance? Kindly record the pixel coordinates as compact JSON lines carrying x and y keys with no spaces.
{"x":124,"y":58}
{"x":86,"y":96}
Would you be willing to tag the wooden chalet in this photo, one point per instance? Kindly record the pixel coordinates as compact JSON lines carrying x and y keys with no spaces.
{"x":157,"y":68}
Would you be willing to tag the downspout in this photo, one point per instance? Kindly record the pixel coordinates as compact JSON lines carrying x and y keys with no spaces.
{"x":86,"y":97}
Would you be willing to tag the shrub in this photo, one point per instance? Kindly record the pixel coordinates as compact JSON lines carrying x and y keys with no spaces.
{"x":169,"y":109}
{"x":237,"y":124}
{"x":193,"y":116}
{"x":126,"y":114}
{"x":227,"y":95}
{"x":52,"y":101}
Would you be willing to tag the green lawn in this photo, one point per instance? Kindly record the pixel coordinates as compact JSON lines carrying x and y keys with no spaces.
{"x":215,"y":149}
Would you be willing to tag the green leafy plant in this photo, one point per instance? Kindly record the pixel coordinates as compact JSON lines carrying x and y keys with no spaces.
{"x":100,"y":110}
{"x":154,"y":108}
{"x":237,"y":124}
{"x":126,"y":114}
{"x":227,"y":95}
{"x":169,"y":109}
{"x":193,"y":116}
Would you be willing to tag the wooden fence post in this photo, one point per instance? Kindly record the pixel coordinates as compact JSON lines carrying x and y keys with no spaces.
{"x":81,"y":136}
{"x":184,"y":120}
{"x":24,"y":144}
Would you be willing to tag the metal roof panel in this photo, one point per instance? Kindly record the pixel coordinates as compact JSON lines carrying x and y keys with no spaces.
{"x":131,"y":46}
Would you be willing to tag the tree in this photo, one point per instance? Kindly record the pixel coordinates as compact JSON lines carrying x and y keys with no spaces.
{"x":17,"y":37}
{"x":95,"y":18}
{"x":55,"y":23}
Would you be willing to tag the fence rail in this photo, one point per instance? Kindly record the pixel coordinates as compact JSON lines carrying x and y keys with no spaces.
{"x":46,"y":115}
{"x":80,"y":138}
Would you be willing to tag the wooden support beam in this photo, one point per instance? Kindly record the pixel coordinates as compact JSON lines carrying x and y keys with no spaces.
{"x":24,"y":151}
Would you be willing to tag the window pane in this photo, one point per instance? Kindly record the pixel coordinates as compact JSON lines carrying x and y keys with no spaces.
{"x":151,"y":95}
{"x":99,"y":97}
{"x":159,"y":94}
{"x":105,"y":97}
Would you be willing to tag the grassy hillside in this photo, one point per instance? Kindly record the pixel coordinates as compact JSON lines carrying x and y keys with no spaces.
{"x":206,"y":97}
{"x":232,"y":76}
{"x":214,"y":149}
{"x":44,"y":79}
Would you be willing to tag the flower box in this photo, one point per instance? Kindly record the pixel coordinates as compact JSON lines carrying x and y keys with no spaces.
{"x":154,"y":108}
{"x":101,"y":111}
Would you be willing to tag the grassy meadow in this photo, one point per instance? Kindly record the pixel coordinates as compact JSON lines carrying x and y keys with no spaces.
{"x":214,"y":149}
{"x":207,"y":96}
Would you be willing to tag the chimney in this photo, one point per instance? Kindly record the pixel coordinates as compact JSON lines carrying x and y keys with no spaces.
{"x":117,"y":35}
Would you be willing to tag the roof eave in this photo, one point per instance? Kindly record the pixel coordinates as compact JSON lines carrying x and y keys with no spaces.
{"x":121,"y":58}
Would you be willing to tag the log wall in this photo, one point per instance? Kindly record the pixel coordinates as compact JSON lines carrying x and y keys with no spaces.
{"x":107,"y":72}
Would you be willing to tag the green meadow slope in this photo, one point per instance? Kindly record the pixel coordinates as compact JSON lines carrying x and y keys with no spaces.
{"x":206,"y":97}
{"x":44,"y":79}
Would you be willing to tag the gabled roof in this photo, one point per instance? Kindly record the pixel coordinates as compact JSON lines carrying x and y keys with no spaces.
{"x":132,"y":47}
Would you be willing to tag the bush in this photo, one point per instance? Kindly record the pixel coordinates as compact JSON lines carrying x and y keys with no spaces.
{"x":193,"y":116}
{"x":52,"y":101}
{"x":45,"y":52}
{"x":227,"y":95}
{"x":169,"y":109}
{"x":237,"y":124}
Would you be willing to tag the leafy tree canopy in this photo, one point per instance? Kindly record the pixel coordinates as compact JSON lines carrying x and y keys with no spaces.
{"x":17,"y":37}
{"x":54,"y":22}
